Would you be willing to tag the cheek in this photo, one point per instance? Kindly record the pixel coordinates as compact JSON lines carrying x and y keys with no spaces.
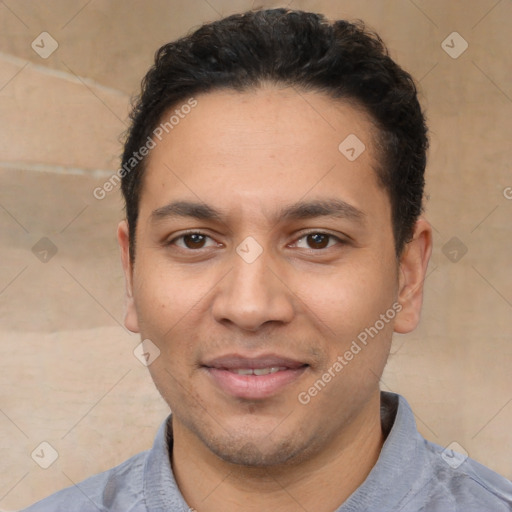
{"x":170,"y":304}
{"x":350,"y":298}
{"x":164,"y":298}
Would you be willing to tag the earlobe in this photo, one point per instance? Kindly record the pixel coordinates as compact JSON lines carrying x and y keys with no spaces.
{"x":413,"y":267}
{"x":123,"y":238}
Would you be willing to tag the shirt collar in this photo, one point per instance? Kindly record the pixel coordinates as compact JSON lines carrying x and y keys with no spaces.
{"x":161,"y":492}
{"x":402,"y":460}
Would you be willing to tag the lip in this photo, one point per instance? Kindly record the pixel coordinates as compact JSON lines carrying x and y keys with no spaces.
{"x":253,"y":387}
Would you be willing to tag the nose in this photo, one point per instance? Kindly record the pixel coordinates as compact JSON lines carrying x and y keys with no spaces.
{"x":253,"y":294}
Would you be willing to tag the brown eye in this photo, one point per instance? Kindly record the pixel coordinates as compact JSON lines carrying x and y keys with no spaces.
{"x":194,"y":241}
{"x":318,"y":240}
{"x":191,"y":241}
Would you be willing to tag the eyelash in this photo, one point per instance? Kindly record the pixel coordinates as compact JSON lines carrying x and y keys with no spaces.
{"x":302,"y":236}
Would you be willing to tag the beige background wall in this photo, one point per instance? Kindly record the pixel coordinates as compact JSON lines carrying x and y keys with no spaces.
{"x":67,"y":373}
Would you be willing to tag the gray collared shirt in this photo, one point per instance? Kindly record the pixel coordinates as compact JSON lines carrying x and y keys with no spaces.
{"x":411,"y":475}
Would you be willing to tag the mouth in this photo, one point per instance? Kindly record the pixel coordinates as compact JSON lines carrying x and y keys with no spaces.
{"x":253,"y":378}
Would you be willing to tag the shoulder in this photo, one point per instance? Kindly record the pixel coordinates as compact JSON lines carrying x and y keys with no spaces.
{"x":118,"y":489}
{"x":439,"y":479}
{"x":466,"y":484}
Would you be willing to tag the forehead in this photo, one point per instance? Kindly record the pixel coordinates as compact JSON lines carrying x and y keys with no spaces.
{"x":255,"y":149}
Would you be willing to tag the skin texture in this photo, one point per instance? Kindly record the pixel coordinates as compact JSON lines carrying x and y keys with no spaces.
{"x":249,"y":155}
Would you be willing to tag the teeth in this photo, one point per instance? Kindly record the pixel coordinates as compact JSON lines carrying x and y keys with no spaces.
{"x":265,"y":371}
{"x":243,"y":371}
{"x":257,"y":371}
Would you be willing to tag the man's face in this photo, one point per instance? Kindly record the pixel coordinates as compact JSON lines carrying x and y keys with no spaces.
{"x":264,"y":284}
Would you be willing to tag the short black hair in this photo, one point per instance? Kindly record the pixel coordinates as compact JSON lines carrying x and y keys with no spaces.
{"x":300,"y":49}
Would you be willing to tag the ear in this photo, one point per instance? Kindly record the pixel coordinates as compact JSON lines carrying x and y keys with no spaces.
{"x":123,"y":237}
{"x":412,"y":271}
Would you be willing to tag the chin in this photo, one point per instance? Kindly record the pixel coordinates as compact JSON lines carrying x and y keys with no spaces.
{"x":252,"y":454}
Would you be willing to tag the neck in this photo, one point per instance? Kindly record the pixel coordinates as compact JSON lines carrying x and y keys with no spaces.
{"x":321,"y":483}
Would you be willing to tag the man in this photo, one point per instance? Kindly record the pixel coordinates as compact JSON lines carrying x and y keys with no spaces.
{"x":273,"y":177}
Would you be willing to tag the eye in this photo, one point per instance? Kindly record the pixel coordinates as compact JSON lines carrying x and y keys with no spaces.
{"x":192,"y":240}
{"x":317,"y":240}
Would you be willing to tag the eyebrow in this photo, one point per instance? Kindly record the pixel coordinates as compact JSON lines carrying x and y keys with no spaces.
{"x":322,"y":208}
{"x":297,"y":211}
{"x":199,"y":211}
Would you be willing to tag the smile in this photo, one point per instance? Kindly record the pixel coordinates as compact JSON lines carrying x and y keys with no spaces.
{"x":257,"y":371}
{"x":253,"y":378}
